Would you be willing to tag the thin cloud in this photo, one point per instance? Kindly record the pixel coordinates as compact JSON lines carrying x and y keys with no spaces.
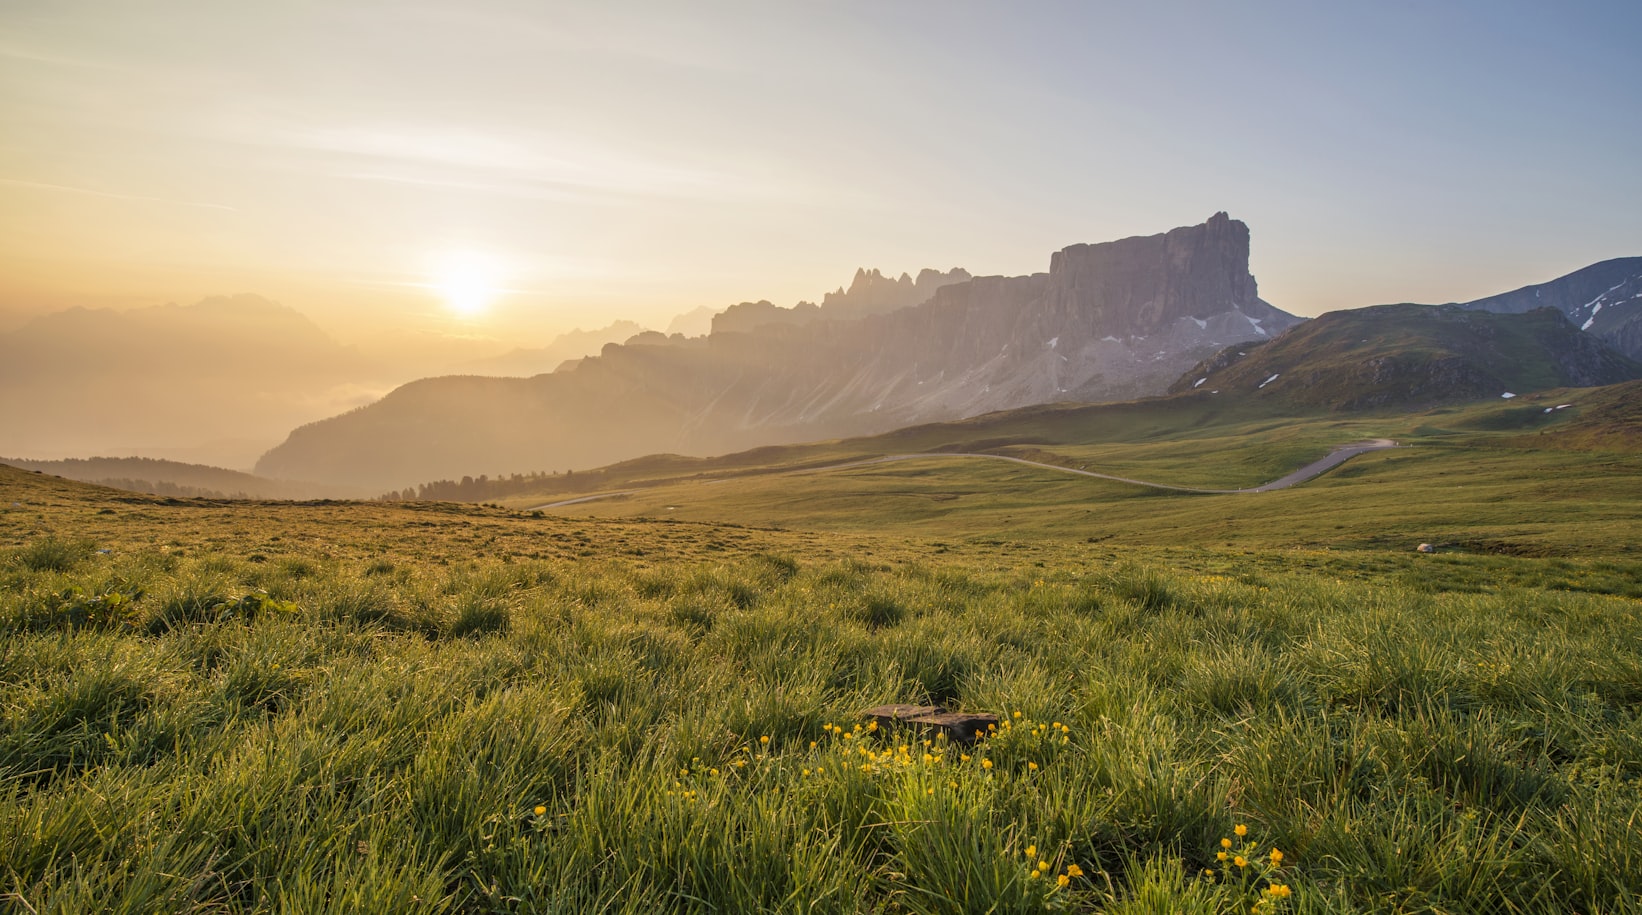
{"x":38,"y":185}
{"x":45,"y":57}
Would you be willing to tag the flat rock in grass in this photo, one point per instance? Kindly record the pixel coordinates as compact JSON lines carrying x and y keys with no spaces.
{"x":958,"y":726}
{"x":962,"y":727}
{"x":889,"y":714}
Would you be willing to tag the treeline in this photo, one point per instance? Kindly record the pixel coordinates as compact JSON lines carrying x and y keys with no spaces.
{"x":163,"y":488}
{"x":484,"y":488}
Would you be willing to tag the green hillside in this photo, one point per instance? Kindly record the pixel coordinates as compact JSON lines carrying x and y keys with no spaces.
{"x":1411,"y":356}
{"x":1498,"y":476}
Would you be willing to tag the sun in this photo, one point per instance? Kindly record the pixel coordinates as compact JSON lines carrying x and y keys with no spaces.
{"x":469,"y":282}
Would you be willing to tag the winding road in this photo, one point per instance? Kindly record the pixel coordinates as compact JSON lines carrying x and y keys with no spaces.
{"x":1316,"y":468}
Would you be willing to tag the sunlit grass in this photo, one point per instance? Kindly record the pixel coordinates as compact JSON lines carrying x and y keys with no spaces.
{"x":349,"y":708}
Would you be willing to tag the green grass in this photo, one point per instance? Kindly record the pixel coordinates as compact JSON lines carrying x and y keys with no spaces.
{"x":248,"y":707}
{"x":1502,"y":477}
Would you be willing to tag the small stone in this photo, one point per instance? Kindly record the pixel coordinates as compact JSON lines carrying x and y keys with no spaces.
{"x":1426,"y":548}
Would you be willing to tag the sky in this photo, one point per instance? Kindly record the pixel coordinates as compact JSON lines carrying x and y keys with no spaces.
{"x":498,"y":171}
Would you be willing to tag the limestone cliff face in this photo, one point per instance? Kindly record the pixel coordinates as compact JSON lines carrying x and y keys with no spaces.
{"x":1139,"y":286}
{"x":1108,"y":321}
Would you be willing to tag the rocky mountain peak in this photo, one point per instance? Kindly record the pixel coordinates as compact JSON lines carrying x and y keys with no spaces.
{"x":1144,"y":284}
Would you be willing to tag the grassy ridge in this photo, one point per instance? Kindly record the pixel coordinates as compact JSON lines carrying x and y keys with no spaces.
{"x":349,"y":708}
{"x":1517,"y":476}
{"x":1455,"y":491}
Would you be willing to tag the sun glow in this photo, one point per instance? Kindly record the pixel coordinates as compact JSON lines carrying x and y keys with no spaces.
{"x":469,"y":282}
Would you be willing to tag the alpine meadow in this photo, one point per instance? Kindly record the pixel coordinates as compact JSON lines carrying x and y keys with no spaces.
{"x":468,"y":546}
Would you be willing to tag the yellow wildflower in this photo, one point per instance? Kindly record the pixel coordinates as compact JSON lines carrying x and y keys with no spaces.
{"x":1276,"y":856}
{"x":986,"y":764}
{"x":1062,"y":880}
{"x":765,"y":740}
{"x":1031,"y":851}
{"x":540,"y":810}
{"x":1220,"y":856}
{"x":1225,"y":843}
{"x":1074,"y":871}
{"x":1043,"y":866}
{"x":1033,"y":766}
{"x":1240,"y":829}
{"x":1240,"y":861}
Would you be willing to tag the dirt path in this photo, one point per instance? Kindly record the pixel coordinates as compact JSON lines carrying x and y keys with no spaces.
{"x":1334,"y":459}
{"x":1316,"y":468}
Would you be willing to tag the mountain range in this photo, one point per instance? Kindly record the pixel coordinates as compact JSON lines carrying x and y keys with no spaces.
{"x":1178,"y":312}
{"x":1107,"y":321}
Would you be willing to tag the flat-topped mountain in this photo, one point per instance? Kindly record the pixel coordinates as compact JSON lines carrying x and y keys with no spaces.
{"x":1412,"y":356}
{"x":1107,"y":321}
{"x":1604,"y":299}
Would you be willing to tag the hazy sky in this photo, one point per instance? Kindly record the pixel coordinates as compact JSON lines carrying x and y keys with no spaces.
{"x":371,"y":163}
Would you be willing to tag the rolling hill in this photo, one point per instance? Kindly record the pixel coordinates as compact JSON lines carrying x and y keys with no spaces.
{"x":174,"y":478}
{"x":1604,"y":299}
{"x":1411,"y":356}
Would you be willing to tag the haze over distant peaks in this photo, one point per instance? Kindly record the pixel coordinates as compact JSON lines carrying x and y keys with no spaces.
{"x":870,"y":293}
{"x":214,"y":381}
{"x":574,"y":344}
{"x":1107,"y":321}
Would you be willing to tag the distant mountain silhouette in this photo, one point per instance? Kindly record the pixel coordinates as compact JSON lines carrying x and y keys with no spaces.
{"x":1108,"y":321}
{"x":1604,"y":299}
{"x":697,"y":322}
{"x":1410,"y":356}
{"x":869,"y":294}
{"x":226,"y":375}
{"x":567,"y":346}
